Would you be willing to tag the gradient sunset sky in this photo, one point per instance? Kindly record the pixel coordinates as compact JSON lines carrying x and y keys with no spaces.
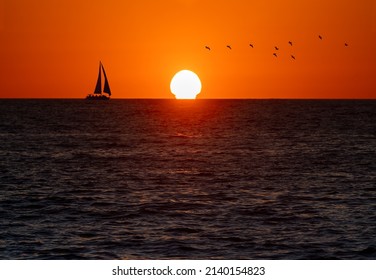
{"x":52,"y":48}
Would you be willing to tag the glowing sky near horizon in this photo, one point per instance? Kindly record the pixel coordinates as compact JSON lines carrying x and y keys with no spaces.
{"x":51,"y":49}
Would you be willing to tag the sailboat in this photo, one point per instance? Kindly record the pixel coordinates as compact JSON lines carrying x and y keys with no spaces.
{"x":99,"y":94}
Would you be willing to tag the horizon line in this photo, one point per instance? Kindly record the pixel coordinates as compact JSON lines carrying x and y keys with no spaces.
{"x":151,"y":98}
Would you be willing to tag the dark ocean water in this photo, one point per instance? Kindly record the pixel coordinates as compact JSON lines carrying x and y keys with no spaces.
{"x":204,"y":179}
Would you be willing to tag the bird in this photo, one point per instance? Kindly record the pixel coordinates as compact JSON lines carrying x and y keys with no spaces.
{"x":320,"y":37}
{"x":275,"y":54}
{"x":228,"y":46}
{"x":293,"y":57}
{"x":208,"y":48}
{"x":251,"y":45}
{"x":276,"y":48}
{"x":290,"y":43}
{"x":346,"y":45}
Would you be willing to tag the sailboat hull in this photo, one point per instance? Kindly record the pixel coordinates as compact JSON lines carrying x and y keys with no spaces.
{"x":97,"y":97}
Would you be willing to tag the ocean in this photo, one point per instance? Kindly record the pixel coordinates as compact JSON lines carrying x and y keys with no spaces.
{"x":175,"y":179}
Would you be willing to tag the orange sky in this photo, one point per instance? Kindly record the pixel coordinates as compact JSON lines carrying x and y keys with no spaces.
{"x":51,"y":48}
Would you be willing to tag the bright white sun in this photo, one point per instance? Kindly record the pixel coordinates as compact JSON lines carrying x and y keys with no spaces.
{"x":185,"y":85}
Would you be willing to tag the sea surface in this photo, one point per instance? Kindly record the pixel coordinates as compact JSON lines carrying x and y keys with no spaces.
{"x":203,"y":179}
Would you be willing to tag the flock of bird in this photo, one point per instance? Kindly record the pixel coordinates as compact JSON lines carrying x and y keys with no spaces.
{"x":276,"y":48}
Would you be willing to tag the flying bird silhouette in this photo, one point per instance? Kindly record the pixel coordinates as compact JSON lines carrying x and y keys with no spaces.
{"x":293,"y":57}
{"x":320,"y":37}
{"x":275,"y":54}
{"x":290,"y":43}
{"x":208,"y":48}
{"x":276,"y":48}
{"x":251,"y":45}
{"x":346,"y":45}
{"x":228,"y":46}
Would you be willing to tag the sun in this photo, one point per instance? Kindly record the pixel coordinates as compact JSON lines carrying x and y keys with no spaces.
{"x":185,"y":85}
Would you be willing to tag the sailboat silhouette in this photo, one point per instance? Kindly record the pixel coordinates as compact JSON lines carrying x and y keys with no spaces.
{"x":98,"y":92}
